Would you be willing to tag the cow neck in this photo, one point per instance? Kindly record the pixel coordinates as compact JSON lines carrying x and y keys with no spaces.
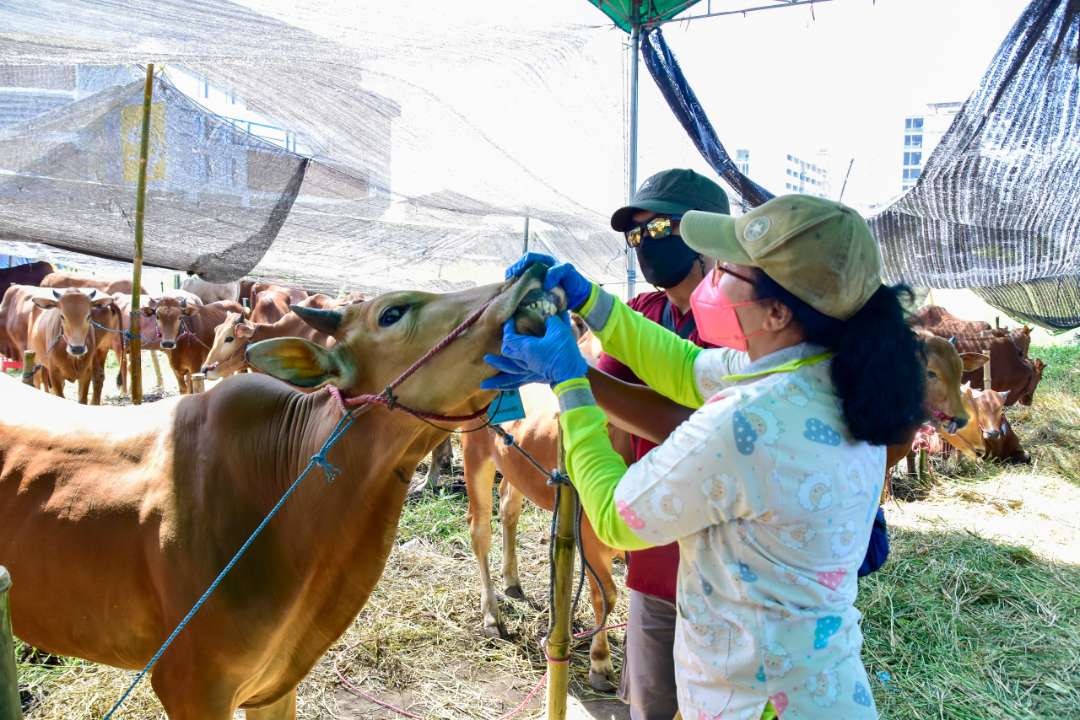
{"x":345,"y":528}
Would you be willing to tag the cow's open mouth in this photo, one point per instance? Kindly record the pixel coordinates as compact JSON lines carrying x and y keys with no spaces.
{"x":523,"y":297}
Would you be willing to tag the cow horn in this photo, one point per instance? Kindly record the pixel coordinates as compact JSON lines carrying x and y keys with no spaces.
{"x":326,"y":321}
{"x":952,"y":340}
{"x":92,"y":294}
{"x":56,"y":294}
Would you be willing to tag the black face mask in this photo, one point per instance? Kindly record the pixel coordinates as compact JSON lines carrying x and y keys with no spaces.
{"x":665,"y":262}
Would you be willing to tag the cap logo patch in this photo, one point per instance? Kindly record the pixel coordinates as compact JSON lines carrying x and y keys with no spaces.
{"x":756,"y":228}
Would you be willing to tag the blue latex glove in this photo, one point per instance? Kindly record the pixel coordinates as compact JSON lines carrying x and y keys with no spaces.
{"x":512,"y":374}
{"x":573,"y":283}
{"x":526,"y":260}
{"x":553,"y":358}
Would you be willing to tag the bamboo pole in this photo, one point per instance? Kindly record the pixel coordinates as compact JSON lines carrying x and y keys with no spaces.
{"x":28,"y":363}
{"x":136,"y":273}
{"x":10,"y":705}
{"x":558,"y":639}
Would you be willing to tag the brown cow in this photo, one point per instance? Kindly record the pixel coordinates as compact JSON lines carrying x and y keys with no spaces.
{"x":1010,"y":369}
{"x":150,"y":502}
{"x":944,"y":402}
{"x":66,"y":343}
{"x":484,"y":453}
{"x":149,"y":337}
{"x":941,"y":322}
{"x":17,"y":313}
{"x":187,"y":329}
{"x":233,"y":335}
{"x":270,"y":303}
{"x":60,"y":279}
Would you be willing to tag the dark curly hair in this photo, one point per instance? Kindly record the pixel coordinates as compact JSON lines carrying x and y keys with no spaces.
{"x":877,"y":371}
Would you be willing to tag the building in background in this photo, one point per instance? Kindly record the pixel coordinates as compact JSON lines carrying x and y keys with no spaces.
{"x":922,"y":133}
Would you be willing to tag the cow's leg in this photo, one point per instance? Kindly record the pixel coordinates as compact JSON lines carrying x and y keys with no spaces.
{"x":98,"y":378}
{"x":122,"y":373}
{"x":479,"y":479}
{"x":57,"y":384}
{"x":186,"y":695}
{"x":510,"y":504}
{"x":85,"y":379}
{"x":283,"y":709}
{"x":442,"y":455}
{"x":604,"y":595}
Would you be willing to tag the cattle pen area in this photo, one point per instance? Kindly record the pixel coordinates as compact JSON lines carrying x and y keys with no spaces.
{"x":975,"y":615}
{"x":562,"y":360}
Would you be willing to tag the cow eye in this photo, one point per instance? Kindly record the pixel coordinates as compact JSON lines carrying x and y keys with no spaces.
{"x":228,"y":339}
{"x":392,"y":314}
{"x":931,"y":374}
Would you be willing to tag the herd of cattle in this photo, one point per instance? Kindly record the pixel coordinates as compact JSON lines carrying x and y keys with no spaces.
{"x":973,"y":372}
{"x":72,"y":322}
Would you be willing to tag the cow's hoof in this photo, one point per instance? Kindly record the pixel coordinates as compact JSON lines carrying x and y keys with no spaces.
{"x":498,"y":630}
{"x":600,"y":682}
{"x":515,"y":591}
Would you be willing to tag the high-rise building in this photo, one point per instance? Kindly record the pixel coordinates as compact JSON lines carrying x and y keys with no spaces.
{"x":809,"y":177}
{"x":784,"y":172}
{"x":922,"y":133}
{"x":742,"y":161}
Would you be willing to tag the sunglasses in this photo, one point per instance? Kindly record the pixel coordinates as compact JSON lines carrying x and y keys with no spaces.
{"x":657,"y":229}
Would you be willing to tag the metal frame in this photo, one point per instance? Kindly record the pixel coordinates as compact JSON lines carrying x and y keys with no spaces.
{"x":635,"y":49}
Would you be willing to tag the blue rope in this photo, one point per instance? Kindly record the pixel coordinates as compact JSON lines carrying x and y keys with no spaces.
{"x":317,"y":460}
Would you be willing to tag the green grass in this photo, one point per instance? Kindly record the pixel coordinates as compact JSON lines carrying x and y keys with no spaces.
{"x":1062,"y":368}
{"x":967,"y":629}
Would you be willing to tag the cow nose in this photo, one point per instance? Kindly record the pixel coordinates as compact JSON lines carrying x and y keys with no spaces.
{"x":168,"y":344}
{"x":992,"y":435}
{"x":77,"y":350}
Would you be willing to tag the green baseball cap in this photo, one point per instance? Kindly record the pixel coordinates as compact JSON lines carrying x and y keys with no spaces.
{"x":820,"y":251}
{"x":672,"y":192}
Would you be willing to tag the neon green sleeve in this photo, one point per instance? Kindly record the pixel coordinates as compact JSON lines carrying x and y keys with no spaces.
{"x":594,"y":467}
{"x":662,"y":359}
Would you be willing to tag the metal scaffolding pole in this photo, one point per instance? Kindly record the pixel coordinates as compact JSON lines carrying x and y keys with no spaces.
{"x":632,"y":152}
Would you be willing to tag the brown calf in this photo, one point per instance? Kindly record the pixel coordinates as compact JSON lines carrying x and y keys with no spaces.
{"x":187,"y":329}
{"x":270,"y":303}
{"x":66,"y":343}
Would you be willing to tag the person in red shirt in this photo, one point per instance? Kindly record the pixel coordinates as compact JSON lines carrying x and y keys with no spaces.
{"x":648,"y":674}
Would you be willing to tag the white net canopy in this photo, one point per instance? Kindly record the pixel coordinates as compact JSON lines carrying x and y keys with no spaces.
{"x":330,"y":144}
{"x":997,"y":207}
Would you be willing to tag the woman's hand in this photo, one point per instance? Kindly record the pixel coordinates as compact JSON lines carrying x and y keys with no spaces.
{"x":553,"y":358}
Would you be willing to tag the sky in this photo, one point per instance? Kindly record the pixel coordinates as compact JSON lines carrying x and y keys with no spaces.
{"x":842,"y":78}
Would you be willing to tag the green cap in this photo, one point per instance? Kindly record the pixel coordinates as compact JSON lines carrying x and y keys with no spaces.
{"x":820,"y":251}
{"x":672,"y":192}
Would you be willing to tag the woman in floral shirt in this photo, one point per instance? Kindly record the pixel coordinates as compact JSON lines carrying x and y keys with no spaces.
{"x":771,"y":485}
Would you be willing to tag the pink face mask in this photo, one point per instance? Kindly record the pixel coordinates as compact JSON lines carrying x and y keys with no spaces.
{"x":715,"y":316}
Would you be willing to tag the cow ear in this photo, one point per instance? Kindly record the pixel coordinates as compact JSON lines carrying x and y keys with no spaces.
{"x":298,"y":362}
{"x":102,"y":301}
{"x":147,"y":310}
{"x":190,"y":310}
{"x":973,"y":361}
{"x":243,"y":330}
{"x":325,"y":321}
{"x":45,"y":303}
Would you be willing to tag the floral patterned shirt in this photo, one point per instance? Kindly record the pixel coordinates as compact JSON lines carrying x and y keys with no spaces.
{"x":772,"y":503}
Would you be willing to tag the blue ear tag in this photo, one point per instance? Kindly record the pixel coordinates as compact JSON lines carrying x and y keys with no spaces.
{"x":506,"y":407}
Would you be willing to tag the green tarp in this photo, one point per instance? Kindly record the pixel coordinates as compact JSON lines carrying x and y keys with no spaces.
{"x":621,"y":11}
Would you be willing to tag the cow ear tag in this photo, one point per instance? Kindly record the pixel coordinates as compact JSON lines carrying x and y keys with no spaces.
{"x":506,"y":407}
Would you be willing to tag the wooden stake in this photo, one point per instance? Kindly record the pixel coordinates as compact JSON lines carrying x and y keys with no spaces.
{"x":28,"y":363}
{"x":558,"y":639}
{"x":10,"y":706}
{"x":136,"y":273}
{"x":198,"y":382}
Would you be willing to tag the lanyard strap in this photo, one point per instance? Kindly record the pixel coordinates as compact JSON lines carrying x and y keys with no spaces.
{"x":789,"y":366}
{"x":667,"y":319}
